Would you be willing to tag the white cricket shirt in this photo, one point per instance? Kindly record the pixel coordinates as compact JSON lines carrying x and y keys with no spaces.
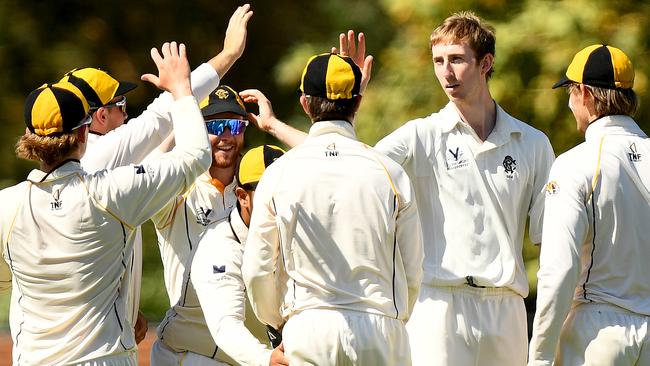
{"x":474,"y":197}
{"x":216,"y":276}
{"x":180,"y":227}
{"x":334,"y":226}
{"x":67,"y":238}
{"x":595,"y":243}
{"x":131,"y":143}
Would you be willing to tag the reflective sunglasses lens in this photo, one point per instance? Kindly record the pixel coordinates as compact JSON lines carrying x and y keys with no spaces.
{"x":236,"y":126}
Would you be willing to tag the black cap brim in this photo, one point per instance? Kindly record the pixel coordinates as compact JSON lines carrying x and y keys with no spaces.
{"x":225,"y":107}
{"x":124,"y":88}
{"x":563,"y":82}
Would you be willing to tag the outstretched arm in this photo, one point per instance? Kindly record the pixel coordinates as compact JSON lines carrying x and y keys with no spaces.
{"x":267,"y":122}
{"x":234,"y":42}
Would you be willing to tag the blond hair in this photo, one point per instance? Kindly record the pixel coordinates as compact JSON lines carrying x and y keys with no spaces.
{"x":609,"y":102}
{"x":465,"y":26}
{"x":46,"y":149}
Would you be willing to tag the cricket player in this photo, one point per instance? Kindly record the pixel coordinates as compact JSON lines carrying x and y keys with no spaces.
{"x":334,"y":251}
{"x":478,"y":174}
{"x":67,"y":235}
{"x":183,"y":335}
{"x":113,"y":143}
{"x":593,"y":293}
{"x":216,"y":271}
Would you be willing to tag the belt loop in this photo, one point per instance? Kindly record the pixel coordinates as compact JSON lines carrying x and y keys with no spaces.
{"x":469,"y":281}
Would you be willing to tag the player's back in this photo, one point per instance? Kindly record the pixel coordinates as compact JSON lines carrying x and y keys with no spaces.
{"x":615,"y":270}
{"x":337,"y":201}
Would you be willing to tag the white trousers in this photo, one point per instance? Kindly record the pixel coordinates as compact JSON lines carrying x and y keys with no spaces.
{"x":601,"y":334}
{"x":162,"y":355}
{"x":465,"y":325}
{"x":340,"y":337}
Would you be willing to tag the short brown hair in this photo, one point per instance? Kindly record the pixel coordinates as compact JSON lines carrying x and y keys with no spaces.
{"x":46,"y":149}
{"x":465,"y":26}
{"x":323,"y":109}
{"x":610,"y":102}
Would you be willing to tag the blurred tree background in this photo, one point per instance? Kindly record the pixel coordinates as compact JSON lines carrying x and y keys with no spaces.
{"x":536,"y":39}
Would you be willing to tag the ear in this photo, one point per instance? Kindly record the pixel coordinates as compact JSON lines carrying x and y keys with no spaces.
{"x":100,"y":116}
{"x":242,"y":196}
{"x":486,"y":63}
{"x":82,"y":133}
{"x":305,"y":106}
{"x":585,"y":95}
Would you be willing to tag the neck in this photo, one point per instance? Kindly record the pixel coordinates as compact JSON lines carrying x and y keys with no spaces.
{"x":50,"y":167}
{"x":480,"y":114}
{"x":223,"y":175}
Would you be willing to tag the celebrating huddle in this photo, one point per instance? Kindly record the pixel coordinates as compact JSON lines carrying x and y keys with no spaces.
{"x":406,"y":253}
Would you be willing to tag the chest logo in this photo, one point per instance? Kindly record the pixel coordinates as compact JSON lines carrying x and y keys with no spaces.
{"x":202,"y":216}
{"x":510,"y":165}
{"x":633,"y":155}
{"x":456,"y":159}
{"x":218,"y":269}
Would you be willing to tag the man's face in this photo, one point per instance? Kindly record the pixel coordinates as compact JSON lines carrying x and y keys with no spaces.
{"x":225,"y":147}
{"x":457,"y":70}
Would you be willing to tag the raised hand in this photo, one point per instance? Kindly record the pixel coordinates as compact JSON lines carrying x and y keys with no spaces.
{"x":173,"y":70}
{"x":235,"y":40}
{"x":348,"y":47}
{"x":264,"y":120}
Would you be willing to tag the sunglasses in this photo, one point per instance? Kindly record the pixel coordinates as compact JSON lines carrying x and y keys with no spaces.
{"x":121,"y":104}
{"x":218,"y":126}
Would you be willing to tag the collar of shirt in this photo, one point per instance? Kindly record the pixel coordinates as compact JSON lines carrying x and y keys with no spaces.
{"x":205,"y":178}
{"x":504,"y":127}
{"x":613,"y":125}
{"x":238,"y":226}
{"x":70,"y":167}
{"x":344,"y":128}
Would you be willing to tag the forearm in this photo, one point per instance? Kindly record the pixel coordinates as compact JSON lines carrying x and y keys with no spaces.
{"x":237,"y":341}
{"x":284,"y":133}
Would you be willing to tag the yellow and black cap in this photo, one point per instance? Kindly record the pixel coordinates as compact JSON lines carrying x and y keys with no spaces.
{"x":253,"y":164}
{"x":331,"y":76}
{"x":221,"y":100}
{"x":97,"y":85}
{"x":56,"y":109}
{"x":601,"y":66}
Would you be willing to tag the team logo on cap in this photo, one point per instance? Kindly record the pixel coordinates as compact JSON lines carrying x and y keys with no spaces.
{"x":634,"y":156}
{"x":510,"y":165}
{"x":552,"y":188}
{"x":222,"y":94}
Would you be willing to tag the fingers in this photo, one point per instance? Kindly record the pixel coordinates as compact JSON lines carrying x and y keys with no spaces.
{"x":251,"y":95}
{"x":343,"y":44}
{"x":352,"y":47}
{"x":334,"y":51}
{"x":361,"y":50}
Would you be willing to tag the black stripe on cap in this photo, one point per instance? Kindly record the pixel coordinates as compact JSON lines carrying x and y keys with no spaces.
{"x":71,"y":107}
{"x":270,"y":155}
{"x":599,"y":71}
{"x":89,"y":93}
{"x":314,"y":83}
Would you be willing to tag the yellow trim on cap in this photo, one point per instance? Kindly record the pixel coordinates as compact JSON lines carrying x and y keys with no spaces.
{"x":337,"y":80}
{"x":102,"y":83}
{"x":577,"y":66}
{"x":46,"y":114}
{"x":623,"y":69}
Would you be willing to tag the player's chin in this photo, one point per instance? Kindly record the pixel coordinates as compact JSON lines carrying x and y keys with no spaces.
{"x":224,"y":160}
